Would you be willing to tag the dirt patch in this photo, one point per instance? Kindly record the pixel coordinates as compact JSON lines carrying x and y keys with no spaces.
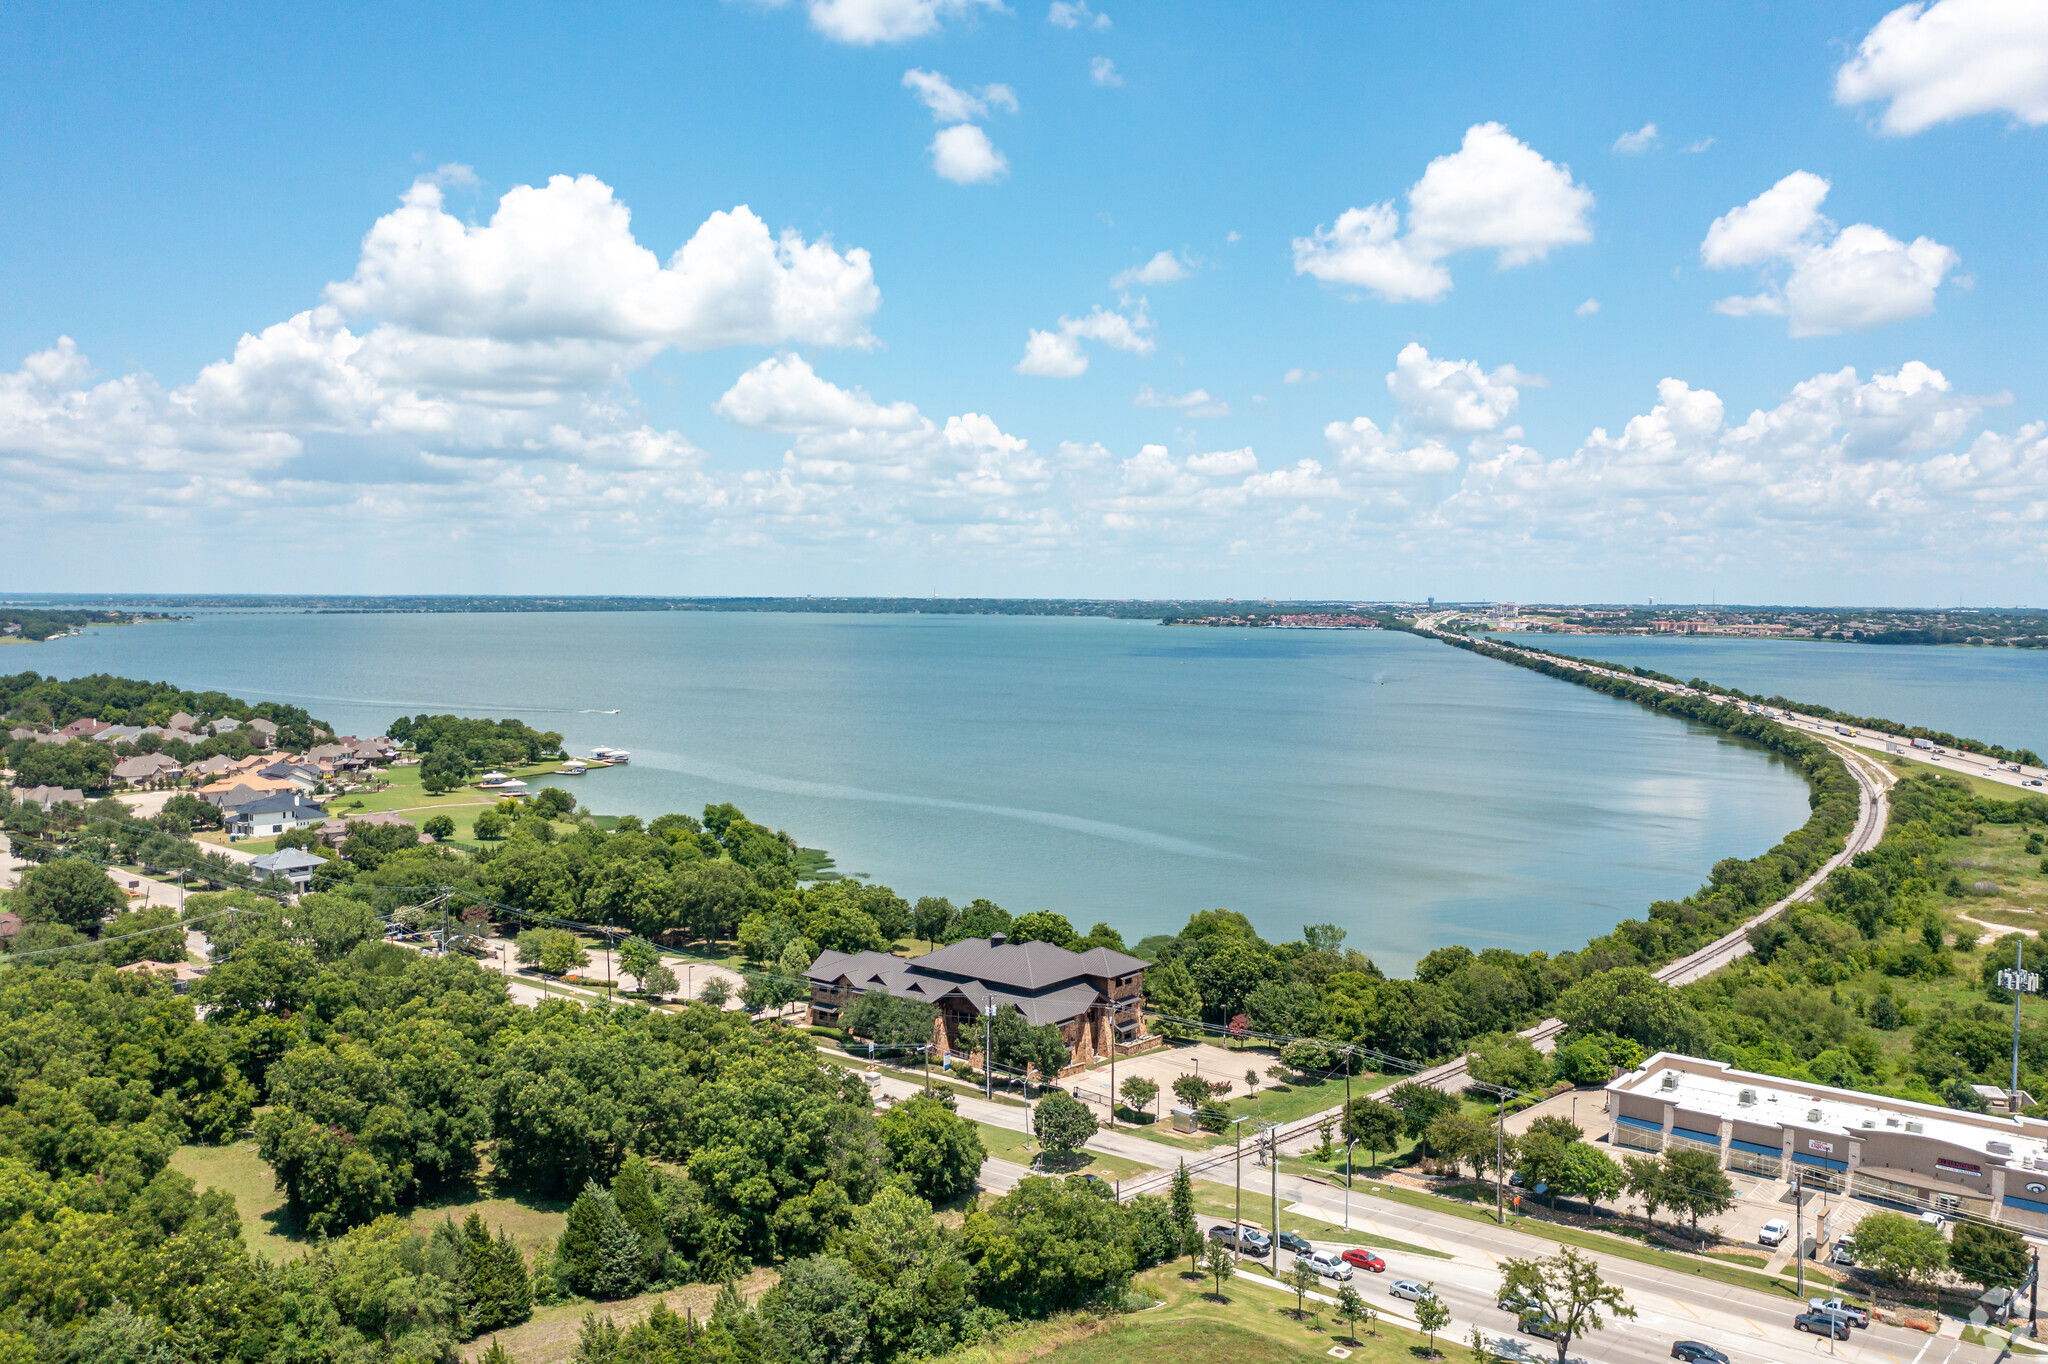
{"x":550,"y":1337}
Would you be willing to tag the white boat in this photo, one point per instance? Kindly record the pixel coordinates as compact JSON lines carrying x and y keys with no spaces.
{"x":574,"y":767}
{"x":617,"y":756}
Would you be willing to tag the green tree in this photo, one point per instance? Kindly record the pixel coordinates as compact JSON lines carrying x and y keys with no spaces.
{"x":496,"y":1291}
{"x":1462,"y":1138}
{"x":1694,"y":1184}
{"x":1432,"y":1314}
{"x":1901,"y":1249}
{"x":69,"y":891}
{"x":440,"y":828}
{"x":1994,"y":1257}
{"x":1062,"y":1122}
{"x":1419,"y":1106}
{"x":1191,"y":1090}
{"x":1171,"y":993}
{"x":580,"y":1253}
{"x":1139,"y":1093}
{"x":715,"y":992}
{"x":659,"y":982}
{"x":1043,"y":925}
{"x":1181,"y":1199}
{"x":1374,"y":1125}
{"x":1220,"y":1265}
{"x":1018,"y":1045}
{"x":940,"y":1151}
{"x":821,"y":1311}
{"x":1589,"y":1174}
{"x":637,"y":957}
{"x":1303,"y":1280}
{"x":1352,"y":1309}
{"x":1568,"y":1289}
{"x":930,"y":916}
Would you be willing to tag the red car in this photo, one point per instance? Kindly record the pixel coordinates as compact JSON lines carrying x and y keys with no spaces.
{"x":1365,"y":1259}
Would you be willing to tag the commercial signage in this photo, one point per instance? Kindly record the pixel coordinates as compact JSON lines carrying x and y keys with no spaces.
{"x":1826,"y":1148}
{"x":1959,"y":1166}
{"x":2037,"y":1188}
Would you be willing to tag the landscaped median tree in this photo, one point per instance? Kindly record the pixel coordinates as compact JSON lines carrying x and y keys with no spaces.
{"x":1181,"y":1200}
{"x":1219,"y":1264}
{"x":1688,"y":1182}
{"x":1992,"y":1256}
{"x":1567,"y":1288}
{"x":1432,"y":1314}
{"x":1062,"y":1123}
{"x":1139,"y":1092}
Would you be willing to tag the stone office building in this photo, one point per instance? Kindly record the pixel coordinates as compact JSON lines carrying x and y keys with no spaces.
{"x":1092,"y":997}
{"x":1919,"y":1156}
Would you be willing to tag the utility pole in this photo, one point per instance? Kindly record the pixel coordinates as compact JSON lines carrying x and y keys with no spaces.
{"x":988,"y":1046}
{"x":1347,"y":1183}
{"x":1237,"y":1174}
{"x":1273,"y":1159}
{"x":1112,"y":1064}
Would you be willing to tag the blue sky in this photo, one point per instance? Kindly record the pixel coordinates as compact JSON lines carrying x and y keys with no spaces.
{"x":929,"y":356}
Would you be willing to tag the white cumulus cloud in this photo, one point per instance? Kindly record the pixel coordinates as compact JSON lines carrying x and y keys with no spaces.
{"x":1833,"y":281}
{"x":1164,"y":268}
{"x":964,"y":155}
{"x":1195,"y":402}
{"x":1102,"y":71}
{"x":1453,"y":396}
{"x":1495,"y":193}
{"x":1588,"y":308}
{"x":864,"y":23}
{"x":1641,"y":140}
{"x":1954,"y":59}
{"x":1075,"y":14}
{"x":950,"y":104}
{"x":1057,"y":354}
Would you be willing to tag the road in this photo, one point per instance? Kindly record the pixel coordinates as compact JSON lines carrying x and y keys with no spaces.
{"x":1748,"y":1325}
{"x":1873,"y":781}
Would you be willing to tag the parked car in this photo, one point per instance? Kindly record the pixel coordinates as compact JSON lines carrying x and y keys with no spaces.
{"x":1693,"y":1352}
{"x":1296,"y":1242}
{"x":1857,"y":1314}
{"x":1822,"y":1324}
{"x":1327,"y":1263}
{"x":1243,"y":1240}
{"x":1540,"y":1324}
{"x":1364,"y":1259}
{"x":1774,"y":1232}
{"x":1409,"y":1289}
{"x":1845,"y":1251}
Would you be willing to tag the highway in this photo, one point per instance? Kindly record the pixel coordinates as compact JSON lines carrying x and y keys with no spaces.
{"x":1873,"y":781}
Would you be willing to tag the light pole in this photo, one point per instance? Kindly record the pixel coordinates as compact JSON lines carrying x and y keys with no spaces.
{"x":1347,"y":1182}
{"x":1270,"y":1131}
{"x":988,"y":1047}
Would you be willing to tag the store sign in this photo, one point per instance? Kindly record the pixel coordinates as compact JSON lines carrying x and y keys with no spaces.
{"x":2037,"y":1188}
{"x":1959,"y":1166}
{"x":1826,"y":1148}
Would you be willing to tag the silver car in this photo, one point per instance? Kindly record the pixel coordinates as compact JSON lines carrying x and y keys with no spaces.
{"x":1409,"y":1289}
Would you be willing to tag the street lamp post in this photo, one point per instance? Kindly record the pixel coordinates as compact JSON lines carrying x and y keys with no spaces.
{"x":1272,"y":1138}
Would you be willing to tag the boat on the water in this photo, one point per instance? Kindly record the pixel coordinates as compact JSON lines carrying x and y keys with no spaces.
{"x":613,"y":756}
{"x":573,"y":767}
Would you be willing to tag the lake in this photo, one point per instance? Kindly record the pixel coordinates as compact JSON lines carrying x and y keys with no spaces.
{"x":1992,"y":695}
{"x":1412,"y":793}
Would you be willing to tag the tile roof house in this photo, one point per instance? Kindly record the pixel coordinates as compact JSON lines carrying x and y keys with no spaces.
{"x":46,"y":796}
{"x":304,"y":778}
{"x":83,"y":728}
{"x":224,"y":792}
{"x":268,"y":816}
{"x":182,"y":720}
{"x":218,"y":765}
{"x":264,"y":730}
{"x":225,"y":724}
{"x":118,"y":734}
{"x":147,"y":767}
{"x":1090,"y":996}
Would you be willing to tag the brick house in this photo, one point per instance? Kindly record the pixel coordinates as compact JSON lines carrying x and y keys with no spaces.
{"x":1091,"y":996}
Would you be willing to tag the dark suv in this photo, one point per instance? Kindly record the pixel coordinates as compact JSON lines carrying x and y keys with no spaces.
{"x":1693,"y":1352}
{"x":1296,"y":1242}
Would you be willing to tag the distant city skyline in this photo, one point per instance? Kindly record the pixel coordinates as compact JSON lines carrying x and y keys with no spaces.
{"x":944,"y":297}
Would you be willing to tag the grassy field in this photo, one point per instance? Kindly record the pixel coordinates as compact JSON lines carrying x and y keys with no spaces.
{"x":1005,"y":1144}
{"x":237,"y":1169}
{"x":1284,"y":1103}
{"x":1989,"y":790}
{"x":1245,"y":1325}
{"x":407,"y":797}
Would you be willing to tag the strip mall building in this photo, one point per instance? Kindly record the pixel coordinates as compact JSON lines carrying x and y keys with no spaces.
{"x":1924,"y":1157}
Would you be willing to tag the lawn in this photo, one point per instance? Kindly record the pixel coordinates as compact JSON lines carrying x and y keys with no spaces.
{"x":236,"y":1169}
{"x":1246,"y":1325}
{"x":1989,"y":790}
{"x":1019,"y":1149}
{"x":407,"y":797}
{"x":549,"y":1337}
{"x":1282,"y":1103}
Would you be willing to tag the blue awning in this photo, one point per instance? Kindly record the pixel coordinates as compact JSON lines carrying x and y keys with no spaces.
{"x":1643,"y":1123}
{"x":1756,"y":1147}
{"x":1692,"y":1134}
{"x":1823,"y":1162}
{"x":2026,"y":1204}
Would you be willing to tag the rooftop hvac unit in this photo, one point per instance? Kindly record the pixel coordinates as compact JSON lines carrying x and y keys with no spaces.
{"x":1813,"y":1115}
{"x":1747,"y":1098}
{"x":1891,"y":1122}
{"x":1916,"y":1127}
{"x":1998,"y":1148}
{"x":1670,"y":1079}
{"x":1870,"y":1122}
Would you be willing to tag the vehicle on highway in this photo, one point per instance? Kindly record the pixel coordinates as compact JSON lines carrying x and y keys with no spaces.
{"x":1857,"y":1315}
{"x":1822,"y":1324}
{"x":1364,"y":1259}
{"x":1516,"y":1300}
{"x":1243,"y":1240}
{"x":1296,"y":1242}
{"x":1409,"y":1289}
{"x":1694,"y":1352}
{"x":1327,"y":1263}
{"x":1774,"y":1232}
{"x":1540,"y":1324}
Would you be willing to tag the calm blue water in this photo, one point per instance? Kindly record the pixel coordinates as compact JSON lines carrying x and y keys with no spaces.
{"x":1998,"y":696}
{"x":1113,"y":770}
